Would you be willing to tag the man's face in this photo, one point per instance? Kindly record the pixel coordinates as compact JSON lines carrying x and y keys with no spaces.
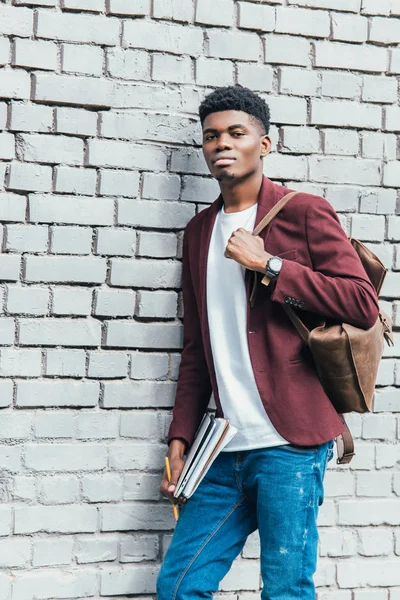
{"x":233,"y":144}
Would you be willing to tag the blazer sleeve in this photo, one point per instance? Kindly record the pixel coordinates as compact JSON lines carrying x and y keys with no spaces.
{"x":337,"y":285}
{"x":194,"y":385}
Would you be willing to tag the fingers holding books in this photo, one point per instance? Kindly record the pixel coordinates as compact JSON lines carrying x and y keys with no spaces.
{"x":168,"y":484}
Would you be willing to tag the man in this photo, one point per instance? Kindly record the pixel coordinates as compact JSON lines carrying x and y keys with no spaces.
{"x":253,"y":361}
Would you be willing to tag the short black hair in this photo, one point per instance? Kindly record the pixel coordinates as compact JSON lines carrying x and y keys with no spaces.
{"x":236,"y":97}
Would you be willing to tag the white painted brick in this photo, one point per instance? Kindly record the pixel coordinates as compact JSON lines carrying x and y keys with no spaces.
{"x":65,"y":457}
{"x":177,"y":10}
{"x":24,"y":489}
{"x":214,"y":72}
{"x":110,"y":153}
{"x":36,"y":2}
{"x":5,"y":520}
{"x":30,"y":117}
{"x":161,"y":186}
{"x":149,"y":365}
{"x":284,"y":49}
{"x":97,"y":425}
{"x":391,"y":174}
{"x":114,"y":303}
{"x":369,"y":7}
{"x":57,"y":393}
{"x":354,"y":512}
{"x":384,"y":31}
{"x":337,"y":542}
{"x":9,"y":267}
{"x":77,"y":28}
{"x":116,"y":242}
{"x":72,"y":301}
{"x":15,"y":553}
{"x":119,"y":183}
{"x":199,"y":189}
{"x":90,"y":5}
{"x":172,"y":68}
{"x":371,"y":594}
{"x":215,"y":12}
{"x":75,"y":269}
{"x":394,"y":228}
{"x":349,"y":28}
{"x":381,"y":427}
{"x":20,"y":363}
{"x":371,"y":572}
{"x":286,"y":109}
{"x":12,"y":207}
{"x":3,"y":114}
{"x":344,"y":5}
{"x":55,"y":332}
{"x":345,"y":170}
{"x":229,"y":44}
{"x":141,"y":425}
{"x":107,"y":364}
{"x":377,"y":484}
{"x":76,"y":121}
{"x":394,"y":66}
{"x":26,"y":238}
{"x":50,"y":552}
{"x":86,"y":60}
{"x":35,"y":54}
{"x":379,"y":89}
{"x":93,"y":550}
{"x":70,"y":210}
{"x":54,"y":424}
{"x":340,"y":85}
{"x":157,"y":304}
{"x":367,"y":227}
{"x":385,"y":400}
{"x":339,"y":483}
{"x":145,"y":273}
{"x":7,"y":144}
{"x":378,"y":145}
{"x":59,"y":489}
{"x":75,"y":181}
{"x":65,"y":363}
{"x":132,"y":8}
{"x":28,"y":300}
{"x":10,"y":459}
{"x":343,"y":198}
{"x":386,"y":372}
{"x":386,"y":455}
{"x":157,"y":245}
{"x":144,"y":394}
{"x":104,"y":487}
{"x":260,"y":18}
{"x":340,"y":142}
{"x":142,"y":487}
{"x":68,"y":89}
{"x":71,"y":240}
{"x":138,"y":578}
{"x":349,"y":56}
{"x":16,"y":21}
{"x":254,"y":76}
{"x":302,"y":22}
{"x":7,"y":331}
{"x":128,"y":64}
{"x":29,"y":177}
{"x":375,"y":542}
{"x":14,"y":425}
{"x":164,"y":37}
{"x":71,"y":583}
{"x":300,"y":82}
{"x":4,"y":51}
{"x":14,"y":83}
{"x":122,"y":517}
{"x":345,"y":114}
{"x":392,"y":118}
{"x":139,"y":548}
{"x":52,"y":149}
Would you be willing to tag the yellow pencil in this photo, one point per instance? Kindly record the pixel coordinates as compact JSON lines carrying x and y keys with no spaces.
{"x":174,"y":507}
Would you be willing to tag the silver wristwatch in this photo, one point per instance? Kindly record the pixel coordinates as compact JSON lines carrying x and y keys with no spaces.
{"x":274,"y":266}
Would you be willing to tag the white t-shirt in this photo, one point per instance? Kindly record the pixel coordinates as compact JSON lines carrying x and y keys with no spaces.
{"x":227,"y":318}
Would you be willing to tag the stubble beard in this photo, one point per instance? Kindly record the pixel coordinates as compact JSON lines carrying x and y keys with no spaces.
{"x":224,"y":176}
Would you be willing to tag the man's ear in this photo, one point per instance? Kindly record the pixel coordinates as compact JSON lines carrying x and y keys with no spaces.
{"x":266,"y":144}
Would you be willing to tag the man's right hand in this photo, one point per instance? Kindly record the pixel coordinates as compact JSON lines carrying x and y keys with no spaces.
{"x":176,"y":461}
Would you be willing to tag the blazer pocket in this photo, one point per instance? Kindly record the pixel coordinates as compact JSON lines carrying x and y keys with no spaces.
{"x":289,"y":254}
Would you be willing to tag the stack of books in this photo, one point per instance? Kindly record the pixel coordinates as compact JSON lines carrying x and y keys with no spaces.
{"x":212,"y":436}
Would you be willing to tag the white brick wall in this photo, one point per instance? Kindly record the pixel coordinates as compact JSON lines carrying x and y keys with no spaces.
{"x":100,"y":170}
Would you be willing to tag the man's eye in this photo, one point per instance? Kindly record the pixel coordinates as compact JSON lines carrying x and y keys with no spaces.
{"x":238,"y":133}
{"x":208,"y":138}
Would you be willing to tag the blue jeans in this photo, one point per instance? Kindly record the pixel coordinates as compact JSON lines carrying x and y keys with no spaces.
{"x":275,"y":490}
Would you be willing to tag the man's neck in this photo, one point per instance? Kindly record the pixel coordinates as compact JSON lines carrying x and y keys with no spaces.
{"x":239,"y":195}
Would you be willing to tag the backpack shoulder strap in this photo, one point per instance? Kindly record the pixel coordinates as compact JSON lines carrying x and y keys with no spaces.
{"x":273,"y":212}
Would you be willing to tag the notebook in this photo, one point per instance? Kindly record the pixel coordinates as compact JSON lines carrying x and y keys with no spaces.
{"x":212,"y":436}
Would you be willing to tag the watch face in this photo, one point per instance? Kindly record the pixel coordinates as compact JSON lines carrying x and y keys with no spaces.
{"x":275,"y":264}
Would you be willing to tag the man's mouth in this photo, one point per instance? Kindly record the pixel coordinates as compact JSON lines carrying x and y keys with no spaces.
{"x":224,"y":162}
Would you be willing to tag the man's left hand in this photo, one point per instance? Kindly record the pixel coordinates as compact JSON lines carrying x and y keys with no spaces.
{"x":248,"y":250}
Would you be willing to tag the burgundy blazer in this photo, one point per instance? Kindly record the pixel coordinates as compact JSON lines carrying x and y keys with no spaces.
{"x":321,"y":274}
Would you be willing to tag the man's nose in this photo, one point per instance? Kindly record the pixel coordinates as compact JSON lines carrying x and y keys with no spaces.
{"x":224,"y":142}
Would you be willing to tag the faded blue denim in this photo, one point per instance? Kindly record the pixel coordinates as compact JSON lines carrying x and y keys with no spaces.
{"x":275,"y":490}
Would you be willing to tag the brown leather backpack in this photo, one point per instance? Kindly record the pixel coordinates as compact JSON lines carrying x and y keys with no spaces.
{"x":346,"y":357}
